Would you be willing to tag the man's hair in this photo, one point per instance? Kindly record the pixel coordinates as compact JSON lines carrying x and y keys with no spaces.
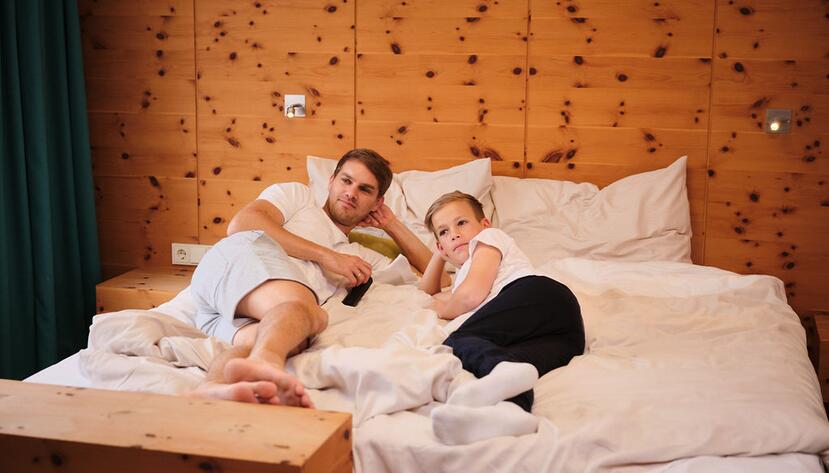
{"x":375,"y":163}
{"x":446,"y":199}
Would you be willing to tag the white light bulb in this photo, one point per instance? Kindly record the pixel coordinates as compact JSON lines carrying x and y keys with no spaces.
{"x":290,"y":113}
{"x":774,"y":126}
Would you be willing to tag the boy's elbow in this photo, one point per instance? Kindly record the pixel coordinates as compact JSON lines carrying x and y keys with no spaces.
{"x":472,"y":299}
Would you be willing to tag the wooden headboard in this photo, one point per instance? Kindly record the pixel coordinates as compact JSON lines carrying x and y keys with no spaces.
{"x":185,"y":103}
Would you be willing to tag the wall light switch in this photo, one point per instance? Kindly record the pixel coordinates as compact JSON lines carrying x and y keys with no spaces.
{"x":778,"y":120}
{"x":188,"y":254}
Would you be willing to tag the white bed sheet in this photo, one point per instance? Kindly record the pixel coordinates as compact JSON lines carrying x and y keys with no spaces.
{"x":403,"y":441}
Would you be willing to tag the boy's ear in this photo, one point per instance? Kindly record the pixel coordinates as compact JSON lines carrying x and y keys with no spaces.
{"x":485,"y":222}
{"x":379,"y":203}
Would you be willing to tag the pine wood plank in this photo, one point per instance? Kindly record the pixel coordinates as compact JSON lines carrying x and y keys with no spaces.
{"x":77,"y":429}
{"x":405,"y":36}
{"x":613,"y":107}
{"x":142,"y":288}
{"x":441,"y":9}
{"x":270,"y":27}
{"x":773,"y":29}
{"x":441,"y":88}
{"x":137,"y":33}
{"x":139,"y":218}
{"x":142,"y":8}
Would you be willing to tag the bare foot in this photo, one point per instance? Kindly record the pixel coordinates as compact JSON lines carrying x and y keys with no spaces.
{"x":289,"y":391}
{"x":245,"y":391}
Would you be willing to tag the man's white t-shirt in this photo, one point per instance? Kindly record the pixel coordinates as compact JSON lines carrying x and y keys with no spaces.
{"x":514,"y":265}
{"x":304,"y":218}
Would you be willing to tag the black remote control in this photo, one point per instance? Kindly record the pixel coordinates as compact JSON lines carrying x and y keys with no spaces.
{"x":356,"y":293}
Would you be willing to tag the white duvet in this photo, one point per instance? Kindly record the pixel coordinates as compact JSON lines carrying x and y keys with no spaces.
{"x":683,"y":362}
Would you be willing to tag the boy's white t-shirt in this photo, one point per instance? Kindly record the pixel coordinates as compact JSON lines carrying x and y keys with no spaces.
{"x":304,"y":218}
{"x":514,"y":265}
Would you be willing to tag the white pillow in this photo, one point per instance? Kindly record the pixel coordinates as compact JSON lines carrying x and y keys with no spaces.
{"x":644,"y":217}
{"x":421,"y":188}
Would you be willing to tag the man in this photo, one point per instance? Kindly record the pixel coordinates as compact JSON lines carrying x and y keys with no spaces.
{"x":261,"y":287}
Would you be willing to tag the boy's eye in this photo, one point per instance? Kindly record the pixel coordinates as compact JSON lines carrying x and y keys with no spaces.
{"x":461,"y":222}
{"x":346,"y":180}
{"x":442,"y":232}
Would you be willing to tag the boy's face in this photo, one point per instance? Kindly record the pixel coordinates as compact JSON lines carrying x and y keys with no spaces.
{"x":455,"y":224}
{"x":352,"y":194}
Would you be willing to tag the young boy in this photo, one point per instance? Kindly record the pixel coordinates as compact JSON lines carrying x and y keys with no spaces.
{"x":504,"y":313}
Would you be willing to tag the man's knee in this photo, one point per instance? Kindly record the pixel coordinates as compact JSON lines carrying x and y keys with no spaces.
{"x":308,"y":313}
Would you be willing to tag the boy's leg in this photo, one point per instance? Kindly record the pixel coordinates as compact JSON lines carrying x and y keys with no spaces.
{"x":545,"y":354}
{"x":527,"y":314}
{"x":527,"y":308}
{"x":288,"y":314}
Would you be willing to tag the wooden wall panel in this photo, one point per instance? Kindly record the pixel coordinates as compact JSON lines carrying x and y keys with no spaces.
{"x":442,"y":83}
{"x":249,"y":56}
{"x":623,"y":29}
{"x":619,"y":89}
{"x":220,"y":200}
{"x":140,"y":81}
{"x":768,"y":203}
{"x":186,"y":100}
{"x":142,"y":215}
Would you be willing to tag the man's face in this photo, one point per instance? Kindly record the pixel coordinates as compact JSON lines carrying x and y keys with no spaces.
{"x":352,"y":194}
{"x":455,"y":224}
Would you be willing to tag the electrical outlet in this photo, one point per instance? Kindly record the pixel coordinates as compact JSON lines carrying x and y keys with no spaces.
{"x":188,"y":254}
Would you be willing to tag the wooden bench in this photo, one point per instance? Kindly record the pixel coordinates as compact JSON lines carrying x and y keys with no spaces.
{"x":44,"y":427}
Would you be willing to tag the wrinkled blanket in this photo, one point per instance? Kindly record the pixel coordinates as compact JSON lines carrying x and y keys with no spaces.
{"x":682,"y":361}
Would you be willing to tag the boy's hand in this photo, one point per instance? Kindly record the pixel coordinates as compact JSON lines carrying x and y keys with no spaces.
{"x":439,"y":254}
{"x":438,"y":305}
{"x":443,"y":296}
{"x":379,"y":218}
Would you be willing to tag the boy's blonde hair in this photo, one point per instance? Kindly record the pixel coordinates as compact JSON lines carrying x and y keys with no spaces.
{"x":446,"y":199}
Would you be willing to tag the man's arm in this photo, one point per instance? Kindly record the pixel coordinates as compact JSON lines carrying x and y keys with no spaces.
{"x":262,"y":215}
{"x":413,"y":249}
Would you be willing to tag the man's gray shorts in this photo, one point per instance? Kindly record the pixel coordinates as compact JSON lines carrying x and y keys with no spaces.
{"x":229,"y":271}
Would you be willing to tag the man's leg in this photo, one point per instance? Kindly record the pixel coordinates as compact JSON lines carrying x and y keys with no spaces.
{"x":254,"y":369}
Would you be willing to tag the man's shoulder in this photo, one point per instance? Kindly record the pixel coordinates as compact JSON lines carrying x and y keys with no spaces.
{"x":288,"y":186}
{"x":287,"y":191}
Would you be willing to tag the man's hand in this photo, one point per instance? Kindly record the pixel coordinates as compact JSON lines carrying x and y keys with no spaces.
{"x":379,"y":218}
{"x":353,"y":268}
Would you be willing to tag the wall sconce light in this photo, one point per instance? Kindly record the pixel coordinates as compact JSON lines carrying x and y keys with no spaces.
{"x":778,"y":120}
{"x":294,"y":106}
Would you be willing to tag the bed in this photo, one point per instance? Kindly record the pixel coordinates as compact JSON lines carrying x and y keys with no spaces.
{"x":687,"y":368}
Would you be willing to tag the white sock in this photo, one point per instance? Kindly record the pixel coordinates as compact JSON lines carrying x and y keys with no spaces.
{"x":460,"y":425}
{"x":506,"y":380}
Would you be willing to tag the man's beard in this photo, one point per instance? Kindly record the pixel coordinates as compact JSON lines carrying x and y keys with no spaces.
{"x":341,"y":218}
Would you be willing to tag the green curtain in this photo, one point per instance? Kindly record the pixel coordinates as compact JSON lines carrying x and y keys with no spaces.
{"x":49,"y":261}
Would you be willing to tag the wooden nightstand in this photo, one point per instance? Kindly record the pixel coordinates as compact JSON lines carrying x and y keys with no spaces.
{"x":816,"y":324}
{"x":142,"y":288}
